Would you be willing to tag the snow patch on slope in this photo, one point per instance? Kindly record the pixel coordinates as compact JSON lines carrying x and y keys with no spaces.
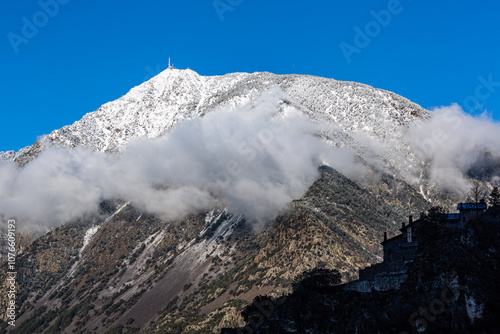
{"x":88,"y":237}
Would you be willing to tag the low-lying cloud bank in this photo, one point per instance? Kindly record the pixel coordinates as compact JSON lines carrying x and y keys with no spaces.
{"x":457,"y":145}
{"x":253,"y":159}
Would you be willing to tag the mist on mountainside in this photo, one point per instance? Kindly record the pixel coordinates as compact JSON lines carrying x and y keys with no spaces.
{"x":458,"y":146}
{"x":252,"y":159}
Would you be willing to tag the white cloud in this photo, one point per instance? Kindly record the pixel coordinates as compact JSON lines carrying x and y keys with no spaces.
{"x":453,"y":143}
{"x":255,"y":159}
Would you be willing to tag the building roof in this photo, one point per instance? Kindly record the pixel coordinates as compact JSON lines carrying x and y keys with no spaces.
{"x":403,"y":229}
{"x":472,"y":206}
{"x":414,"y":222}
{"x":392,"y":239}
{"x":452,"y":216}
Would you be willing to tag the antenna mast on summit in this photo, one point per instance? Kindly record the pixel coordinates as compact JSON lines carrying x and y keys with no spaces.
{"x":169,"y":65}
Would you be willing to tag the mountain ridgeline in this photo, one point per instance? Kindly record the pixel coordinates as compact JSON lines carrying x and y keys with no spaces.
{"x":151,"y":109}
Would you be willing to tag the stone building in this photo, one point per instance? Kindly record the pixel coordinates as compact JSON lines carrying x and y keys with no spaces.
{"x":401,"y":249}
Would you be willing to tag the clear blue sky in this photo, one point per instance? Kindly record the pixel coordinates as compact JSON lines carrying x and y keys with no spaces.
{"x":86,"y":53}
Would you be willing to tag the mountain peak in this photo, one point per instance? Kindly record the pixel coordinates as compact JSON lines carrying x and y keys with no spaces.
{"x":354,"y":111}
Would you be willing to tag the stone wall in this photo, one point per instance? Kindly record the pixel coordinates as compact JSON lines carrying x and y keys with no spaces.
{"x":381,"y":282}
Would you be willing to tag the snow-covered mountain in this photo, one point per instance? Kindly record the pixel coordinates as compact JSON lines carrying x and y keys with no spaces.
{"x":356,"y":115}
{"x":120,"y":265}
